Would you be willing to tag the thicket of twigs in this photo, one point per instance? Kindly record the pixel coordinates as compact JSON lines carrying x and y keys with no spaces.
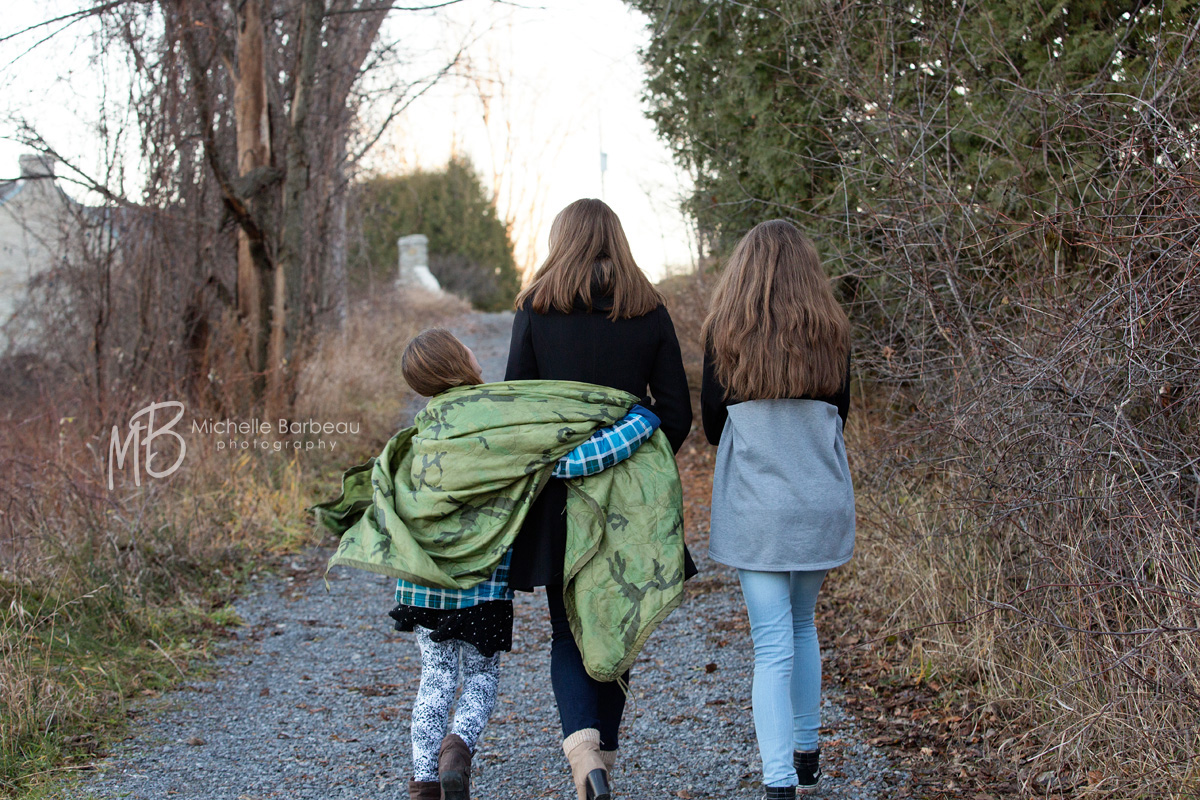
{"x":1037,"y":486}
{"x":1028,"y":481}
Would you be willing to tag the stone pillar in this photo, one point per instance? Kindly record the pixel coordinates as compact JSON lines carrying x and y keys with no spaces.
{"x":414,"y":264}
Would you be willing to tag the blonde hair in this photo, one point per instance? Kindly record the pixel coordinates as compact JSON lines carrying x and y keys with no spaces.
{"x":588,"y":250}
{"x":435,"y":361}
{"x":774,"y":327}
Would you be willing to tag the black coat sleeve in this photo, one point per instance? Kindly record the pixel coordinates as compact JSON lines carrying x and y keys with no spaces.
{"x":843,"y":398}
{"x":668,"y":385}
{"x":522,"y":363}
{"x":713,"y":408}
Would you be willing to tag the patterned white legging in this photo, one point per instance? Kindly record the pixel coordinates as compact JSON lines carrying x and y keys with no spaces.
{"x":439,"y":679}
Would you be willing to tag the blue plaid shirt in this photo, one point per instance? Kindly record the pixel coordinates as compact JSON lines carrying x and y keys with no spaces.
{"x":604,"y":448}
{"x":608,"y":446}
{"x":494,"y":588}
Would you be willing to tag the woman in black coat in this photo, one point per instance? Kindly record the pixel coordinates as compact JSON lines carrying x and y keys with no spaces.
{"x":589,"y":315}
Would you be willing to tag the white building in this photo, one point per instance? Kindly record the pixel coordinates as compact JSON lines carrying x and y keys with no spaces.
{"x":35,"y":220}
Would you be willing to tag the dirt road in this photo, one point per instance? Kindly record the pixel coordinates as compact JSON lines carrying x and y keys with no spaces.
{"x":311,"y":699}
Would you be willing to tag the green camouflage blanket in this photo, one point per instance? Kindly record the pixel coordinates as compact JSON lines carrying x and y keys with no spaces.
{"x":447,"y":497}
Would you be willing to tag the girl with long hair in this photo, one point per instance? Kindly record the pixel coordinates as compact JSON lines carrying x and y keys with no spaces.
{"x":589,"y":315}
{"x":775,"y":393}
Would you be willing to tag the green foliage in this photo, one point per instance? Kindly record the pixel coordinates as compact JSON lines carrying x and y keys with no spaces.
{"x":802,"y":108}
{"x":469,"y":250}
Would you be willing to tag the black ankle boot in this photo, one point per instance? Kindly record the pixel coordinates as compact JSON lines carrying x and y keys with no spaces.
{"x":780,"y":793}
{"x":596,"y":785}
{"x":808,"y":768}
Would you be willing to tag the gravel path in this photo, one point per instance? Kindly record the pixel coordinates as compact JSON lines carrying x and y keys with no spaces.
{"x":312,"y":698}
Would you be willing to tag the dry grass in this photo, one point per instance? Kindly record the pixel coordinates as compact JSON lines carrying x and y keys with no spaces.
{"x":355,"y":374}
{"x":687,"y":301}
{"x":1091,"y":682}
{"x":1093,"y":676}
{"x":105,"y":596}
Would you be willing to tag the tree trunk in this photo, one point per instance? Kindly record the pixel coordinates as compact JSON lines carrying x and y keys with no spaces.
{"x":338,"y":291}
{"x":286,"y":311}
{"x":355,"y":34}
{"x":253,"y":152}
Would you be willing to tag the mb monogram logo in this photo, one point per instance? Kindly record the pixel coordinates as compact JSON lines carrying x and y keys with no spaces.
{"x":147,"y":429}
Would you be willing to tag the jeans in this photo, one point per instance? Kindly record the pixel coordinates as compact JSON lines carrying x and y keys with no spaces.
{"x":583,"y":702}
{"x":787,"y":666}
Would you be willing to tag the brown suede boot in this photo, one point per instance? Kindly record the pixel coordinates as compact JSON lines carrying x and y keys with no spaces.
{"x":582,"y":749}
{"x":424,"y":790}
{"x":454,"y":768}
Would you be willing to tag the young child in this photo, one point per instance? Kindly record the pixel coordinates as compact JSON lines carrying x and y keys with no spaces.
{"x":473,"y":625}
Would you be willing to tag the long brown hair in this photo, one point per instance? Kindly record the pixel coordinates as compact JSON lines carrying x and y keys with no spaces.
{"x":435,"y":361}
{"x":774,"y":326}
{"x":589,"y":252}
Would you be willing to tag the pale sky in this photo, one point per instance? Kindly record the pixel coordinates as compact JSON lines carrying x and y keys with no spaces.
{"x":562,"y":81}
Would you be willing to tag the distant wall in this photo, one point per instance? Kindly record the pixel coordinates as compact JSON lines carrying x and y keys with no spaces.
{"x":33,"y":225}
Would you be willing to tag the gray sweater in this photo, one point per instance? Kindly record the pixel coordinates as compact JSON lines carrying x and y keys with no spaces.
{"x":782,"y":496}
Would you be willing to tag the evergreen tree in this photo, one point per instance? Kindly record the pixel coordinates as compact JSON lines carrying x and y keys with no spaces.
{"x":469,"y":250}
{"x":824,"y":108}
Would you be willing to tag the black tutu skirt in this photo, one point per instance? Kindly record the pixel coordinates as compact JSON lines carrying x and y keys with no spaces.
{"x":485,"y":626}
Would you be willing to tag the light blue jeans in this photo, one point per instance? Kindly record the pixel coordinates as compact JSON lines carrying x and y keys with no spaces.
{"x":787,"y":666}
